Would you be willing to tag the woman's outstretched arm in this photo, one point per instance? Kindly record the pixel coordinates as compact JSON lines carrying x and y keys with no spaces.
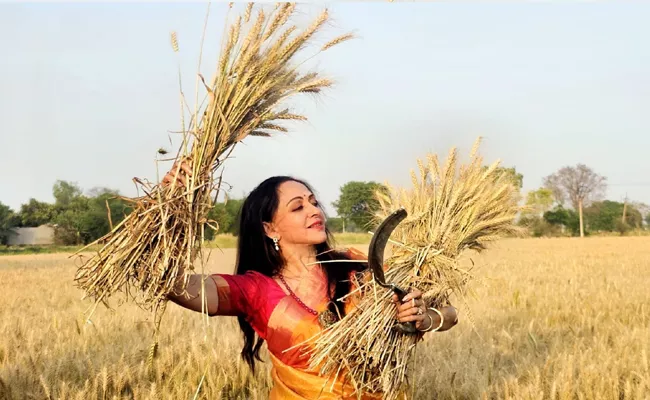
{"x":192,"y":299}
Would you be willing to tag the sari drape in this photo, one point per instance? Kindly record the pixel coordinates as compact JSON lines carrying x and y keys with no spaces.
{"x":286,"y":326}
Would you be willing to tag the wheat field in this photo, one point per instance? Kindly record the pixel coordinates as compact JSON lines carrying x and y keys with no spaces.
{"x":554,"y":319}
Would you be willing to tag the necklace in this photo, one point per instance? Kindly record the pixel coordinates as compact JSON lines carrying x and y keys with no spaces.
{"x":325,"y":318}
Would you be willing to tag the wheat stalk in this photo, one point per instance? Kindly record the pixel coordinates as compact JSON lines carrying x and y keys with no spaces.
{"x":151,"y":253}
{"x":338,"y":40}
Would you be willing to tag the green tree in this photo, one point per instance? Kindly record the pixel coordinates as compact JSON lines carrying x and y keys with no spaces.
{"x":608,"y":216}
{"x":538,"y":226}
{"x":71,"y":221}
{"x":233,"y":211}
{"x":511,"y":174}
{"x":567,"y":218}
{"x":579,"y":184}
{"x":8,"y":222}
{"x":105,"y":199}
{"x":69,"y":205}
{"x":335,"y":224}
{"x":539,"y":201}
{"x":515,"y":177}
{"x":35,"y":213}
{"x":93,"y":219}
{"x":357,"y":202}
{"x":644,"y":209}
{"x":65,"y":193}
{"x":218,"y":214}
{"x":226,"y":215}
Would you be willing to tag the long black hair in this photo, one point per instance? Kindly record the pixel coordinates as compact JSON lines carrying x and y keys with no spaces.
{"x":255,"y":252}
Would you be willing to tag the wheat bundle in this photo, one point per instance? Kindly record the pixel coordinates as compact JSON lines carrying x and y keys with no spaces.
{"x":450,"y":210}
{"x":257,"y":72}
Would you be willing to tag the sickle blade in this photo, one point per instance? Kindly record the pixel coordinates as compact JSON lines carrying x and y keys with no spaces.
{"x":378,"y":244}
{"x":376,"y":260}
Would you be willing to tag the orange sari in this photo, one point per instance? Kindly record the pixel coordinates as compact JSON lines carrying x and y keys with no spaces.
{"x":285,"y":324}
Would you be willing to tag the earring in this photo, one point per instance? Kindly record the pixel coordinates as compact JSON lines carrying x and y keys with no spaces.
{"x":275,"y":242}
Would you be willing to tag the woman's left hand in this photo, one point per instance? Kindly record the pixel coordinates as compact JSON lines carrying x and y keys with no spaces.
{"x":412,"y":308}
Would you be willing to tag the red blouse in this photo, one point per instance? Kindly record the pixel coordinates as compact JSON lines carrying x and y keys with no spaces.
{"x":274,"y":315}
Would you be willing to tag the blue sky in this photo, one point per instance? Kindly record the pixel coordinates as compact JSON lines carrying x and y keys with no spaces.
{"x":88,"y":93}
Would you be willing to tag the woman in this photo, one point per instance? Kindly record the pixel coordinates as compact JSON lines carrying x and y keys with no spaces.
{"x":281,"y":293}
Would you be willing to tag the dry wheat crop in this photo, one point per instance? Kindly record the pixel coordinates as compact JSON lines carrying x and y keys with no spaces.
{"x":557,"y":319}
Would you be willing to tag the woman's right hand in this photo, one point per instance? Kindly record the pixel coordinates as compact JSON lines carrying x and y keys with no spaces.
{"x":183,"y":173}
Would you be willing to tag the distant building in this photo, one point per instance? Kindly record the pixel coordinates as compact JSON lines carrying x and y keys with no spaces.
{"x":41,"y":235}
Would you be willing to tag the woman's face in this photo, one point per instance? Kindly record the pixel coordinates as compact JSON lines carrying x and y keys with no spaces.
{"x":298,"y":220}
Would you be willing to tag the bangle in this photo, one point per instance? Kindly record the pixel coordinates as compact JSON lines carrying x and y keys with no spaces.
{"x":430,"y":324}
{"x":442,"y":318}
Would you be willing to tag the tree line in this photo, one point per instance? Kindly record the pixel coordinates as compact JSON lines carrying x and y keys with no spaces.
{"x":77,"y":218}
{"x":80,"y":218}
{"x":570,"y":202}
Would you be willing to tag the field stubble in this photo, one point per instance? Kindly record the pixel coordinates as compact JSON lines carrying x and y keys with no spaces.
{"x":555,"y":319}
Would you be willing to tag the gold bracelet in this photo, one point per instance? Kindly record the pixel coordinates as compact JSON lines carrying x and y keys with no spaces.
{"x":442,"y":318}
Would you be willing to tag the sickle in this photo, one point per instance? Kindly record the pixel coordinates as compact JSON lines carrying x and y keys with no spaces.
{"x":376,"y":259}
